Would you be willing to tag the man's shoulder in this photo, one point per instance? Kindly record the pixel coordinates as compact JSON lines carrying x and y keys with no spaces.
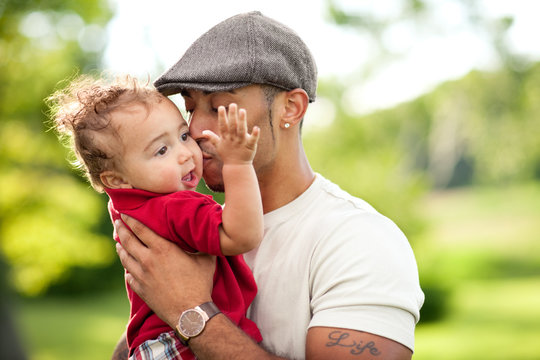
{"x":345,"y":214}
{"x":337,"y":200}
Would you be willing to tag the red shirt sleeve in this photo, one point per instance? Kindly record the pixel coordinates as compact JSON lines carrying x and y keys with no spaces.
{"x":194,"y":219}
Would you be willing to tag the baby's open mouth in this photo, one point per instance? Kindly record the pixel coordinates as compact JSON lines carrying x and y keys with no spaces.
{"x":188,"y":177}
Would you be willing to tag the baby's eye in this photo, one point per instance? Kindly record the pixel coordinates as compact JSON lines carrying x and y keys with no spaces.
{"x":184,"y":136}
{"x":162,"y":151}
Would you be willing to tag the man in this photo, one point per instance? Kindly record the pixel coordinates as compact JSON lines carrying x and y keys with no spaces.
{"x":335,"y":278}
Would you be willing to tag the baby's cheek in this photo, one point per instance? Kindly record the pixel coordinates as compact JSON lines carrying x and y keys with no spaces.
{"x":164,"y":180}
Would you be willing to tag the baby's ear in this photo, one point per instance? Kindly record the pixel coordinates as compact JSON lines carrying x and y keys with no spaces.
{"x":114,"y":180}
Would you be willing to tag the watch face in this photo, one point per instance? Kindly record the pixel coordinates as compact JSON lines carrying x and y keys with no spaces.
{"x":191,"y":323}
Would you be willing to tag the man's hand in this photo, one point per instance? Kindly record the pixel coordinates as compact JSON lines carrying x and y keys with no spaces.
{"x":165,"y":277}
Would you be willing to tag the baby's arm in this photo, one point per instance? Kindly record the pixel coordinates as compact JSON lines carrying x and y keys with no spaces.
{"x":242,"y":227}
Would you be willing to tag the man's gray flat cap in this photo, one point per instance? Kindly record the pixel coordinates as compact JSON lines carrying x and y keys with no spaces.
{"x":245,"y":49}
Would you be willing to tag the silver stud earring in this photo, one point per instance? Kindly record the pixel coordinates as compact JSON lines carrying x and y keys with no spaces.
{"x":287,"y":125}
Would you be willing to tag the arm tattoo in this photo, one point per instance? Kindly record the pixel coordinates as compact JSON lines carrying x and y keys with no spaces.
{"x":339,"y":338}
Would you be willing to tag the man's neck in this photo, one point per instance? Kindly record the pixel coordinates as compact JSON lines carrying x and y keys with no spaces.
{"x":285,"y":182}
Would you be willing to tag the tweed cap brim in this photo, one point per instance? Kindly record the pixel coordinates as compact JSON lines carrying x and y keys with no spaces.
{"x":245,"y":49}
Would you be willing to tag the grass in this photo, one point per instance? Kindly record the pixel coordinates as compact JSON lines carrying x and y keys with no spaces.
{"x":487,"y":320}
{"x":83,"y":328}
{"x":482,"y":246}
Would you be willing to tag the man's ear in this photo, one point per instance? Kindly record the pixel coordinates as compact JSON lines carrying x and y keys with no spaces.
{"x":296,"y":103}
{"x":114,"y":180}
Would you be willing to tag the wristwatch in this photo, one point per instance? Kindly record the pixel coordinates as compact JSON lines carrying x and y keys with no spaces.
{"x":193,"y":321}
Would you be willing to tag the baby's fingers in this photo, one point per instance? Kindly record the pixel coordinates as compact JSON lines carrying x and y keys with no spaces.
{"x":233,"y":120}
{"x":254,"y":137}
{"x":241,"y":123}
{"x":222,"y":121}
{"x":213,"y":137}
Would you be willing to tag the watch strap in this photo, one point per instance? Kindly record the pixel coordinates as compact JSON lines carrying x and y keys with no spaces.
{"x":210,"y":309}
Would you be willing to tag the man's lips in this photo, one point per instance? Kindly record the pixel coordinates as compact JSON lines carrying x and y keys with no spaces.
{"x":206,"y":158}
{"x":207,"y":152}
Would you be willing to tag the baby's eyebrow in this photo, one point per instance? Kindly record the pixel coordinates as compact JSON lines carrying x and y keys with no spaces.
{"x":154,"y":140}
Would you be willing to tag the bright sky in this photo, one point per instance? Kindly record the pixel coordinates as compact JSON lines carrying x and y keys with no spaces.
{"x":146,"y":37}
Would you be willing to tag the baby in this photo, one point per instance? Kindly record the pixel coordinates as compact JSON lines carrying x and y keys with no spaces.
{"x":133,"y":143}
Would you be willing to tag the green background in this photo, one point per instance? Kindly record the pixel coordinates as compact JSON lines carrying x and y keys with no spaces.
{"x":458,"y":169}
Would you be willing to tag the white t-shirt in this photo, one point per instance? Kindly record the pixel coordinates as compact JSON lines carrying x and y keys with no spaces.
{"x":329,"y":259}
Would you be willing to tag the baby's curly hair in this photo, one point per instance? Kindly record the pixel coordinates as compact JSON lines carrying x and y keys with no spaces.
{"x":83,"y":110}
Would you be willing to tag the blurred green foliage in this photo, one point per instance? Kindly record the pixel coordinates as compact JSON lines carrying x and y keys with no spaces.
{"x":50,"y":221}
{"x":482,"y":246}
{"x":481,"y":129}
{"x":88,"y":325}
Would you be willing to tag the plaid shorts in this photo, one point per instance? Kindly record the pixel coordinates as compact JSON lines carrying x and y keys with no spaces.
{"x":166,"y":347}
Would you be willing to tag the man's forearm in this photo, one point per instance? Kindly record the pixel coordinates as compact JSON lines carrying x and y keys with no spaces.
{"x":221,"y":339}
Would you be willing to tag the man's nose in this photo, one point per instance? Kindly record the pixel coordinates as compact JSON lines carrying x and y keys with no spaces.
{"x":200,"y":122}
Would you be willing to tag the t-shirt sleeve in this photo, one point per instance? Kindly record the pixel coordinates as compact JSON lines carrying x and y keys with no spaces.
{"x":195,"y":219}
{"x":366,"y":282}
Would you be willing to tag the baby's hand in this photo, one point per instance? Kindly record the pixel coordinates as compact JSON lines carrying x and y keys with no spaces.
{"x":235,"y":144}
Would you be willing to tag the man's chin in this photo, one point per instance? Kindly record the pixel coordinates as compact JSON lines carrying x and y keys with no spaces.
{"x":216,"y":187}
{"x":213,"y":179}
{"x":214,"y":183}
